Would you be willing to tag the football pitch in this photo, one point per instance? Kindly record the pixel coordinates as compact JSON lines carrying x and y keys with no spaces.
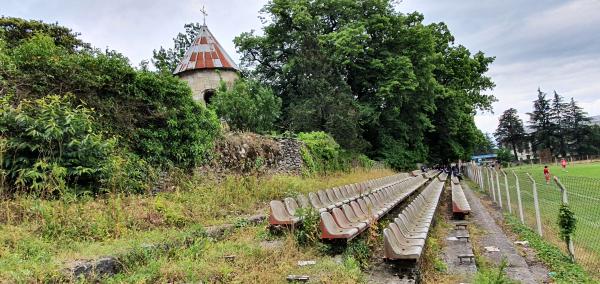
{"x":582,"y":182}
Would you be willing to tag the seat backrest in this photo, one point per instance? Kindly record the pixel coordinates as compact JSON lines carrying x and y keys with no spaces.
{"x":340,"y":217}
{"x":331,"y":195}
{"x":350,"y":214}
{"x":278,"y":210}
{"x":358,"y":210}
{"x":303,"y":201}
{"x":338,"y":194}
{"x":323,"y":197}
{"x":291,"y":205}
{"x":315,"y":201}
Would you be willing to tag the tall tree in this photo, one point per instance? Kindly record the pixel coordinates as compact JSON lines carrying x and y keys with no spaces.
{"x":166,"y":60}
{"x":576,"y":128}
{"x":370,"y":76}
{"x":510,"y":131}
{"x":559,"y":135}
{"x":542,"y":123}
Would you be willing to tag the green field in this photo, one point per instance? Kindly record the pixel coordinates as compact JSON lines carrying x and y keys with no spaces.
{"x":583,"y":186}
{"x":591,"y":170}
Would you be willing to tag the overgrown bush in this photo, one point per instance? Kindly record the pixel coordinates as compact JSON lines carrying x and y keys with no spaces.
{"x":247,"y":106}
{"x":308,"y":232}
{"x":322,"y":153}
{"x":154,"y":115}
{"x":172,"y":127}
{"x":50,"y":145}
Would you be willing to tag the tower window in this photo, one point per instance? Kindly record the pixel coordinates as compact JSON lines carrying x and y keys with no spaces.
{"x":208,"y":95}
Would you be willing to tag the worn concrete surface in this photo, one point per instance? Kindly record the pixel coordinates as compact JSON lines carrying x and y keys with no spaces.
{"x":493,"y":235}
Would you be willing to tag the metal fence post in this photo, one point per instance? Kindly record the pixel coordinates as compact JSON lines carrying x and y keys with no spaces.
{"x":536,"y":205}
{"x":565,"y":201}
{"x":507,"y":192}
{"x":498,"y":188}
{"x":519,"y":198}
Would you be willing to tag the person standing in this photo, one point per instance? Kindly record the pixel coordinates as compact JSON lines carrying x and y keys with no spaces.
{"x":547,"y":174}
{"x":563,"y":163}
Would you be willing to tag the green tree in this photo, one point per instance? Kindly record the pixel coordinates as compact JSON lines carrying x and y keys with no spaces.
{"x":166,"y":60}
{"x":371,"y":76}
{"x":247,"y":106}
{"x":542,"y":124}
{"x":15,"y":31}
{"x":576,"y":128}
{"x":558,"y":113}
{"x":504,"y":155}
{"x":510,"y":131}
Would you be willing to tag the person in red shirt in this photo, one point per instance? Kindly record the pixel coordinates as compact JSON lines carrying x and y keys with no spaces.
{"x":563,"y":162}
{"x":547,"y":174}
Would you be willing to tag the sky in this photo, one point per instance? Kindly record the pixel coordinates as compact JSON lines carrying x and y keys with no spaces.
{"x":552,"y":45}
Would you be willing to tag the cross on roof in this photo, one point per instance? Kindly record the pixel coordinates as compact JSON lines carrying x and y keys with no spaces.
{"x":203,"y":11}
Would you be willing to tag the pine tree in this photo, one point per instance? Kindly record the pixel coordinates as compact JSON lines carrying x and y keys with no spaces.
{"x":542,"y":124}
{"x":558,"y":117}
{"x":510,"y":131}
{"x":576,"y":128}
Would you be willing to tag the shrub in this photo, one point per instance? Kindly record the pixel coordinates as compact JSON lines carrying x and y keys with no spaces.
{"x":152,"y":114}
{"x":308,"y":232}
{"x":322,"y":153}
{"x":247,"y":106}
{"x":50,"y":145}
{"x":172,"y":128}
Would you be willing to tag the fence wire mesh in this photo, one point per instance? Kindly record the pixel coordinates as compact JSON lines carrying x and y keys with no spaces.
{"x":583,"y":195}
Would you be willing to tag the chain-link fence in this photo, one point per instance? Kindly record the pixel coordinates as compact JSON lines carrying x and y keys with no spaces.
{"x":507,"y":187}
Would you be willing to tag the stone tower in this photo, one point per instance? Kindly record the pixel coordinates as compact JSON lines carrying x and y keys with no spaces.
{"x":204,"y":65}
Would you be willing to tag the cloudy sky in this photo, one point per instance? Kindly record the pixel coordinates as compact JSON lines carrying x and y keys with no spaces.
{"x":550,"y":44}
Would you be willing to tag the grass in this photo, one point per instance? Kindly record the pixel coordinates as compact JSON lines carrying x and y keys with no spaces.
{"x":39,"y":237}
{"x":572,"y":170}
{"x":583,"y":195}
{"x":563,"y":270}
{"x":204,"y":262}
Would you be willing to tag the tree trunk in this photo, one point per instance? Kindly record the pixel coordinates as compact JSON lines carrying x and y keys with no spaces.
{"x":515,"y":151}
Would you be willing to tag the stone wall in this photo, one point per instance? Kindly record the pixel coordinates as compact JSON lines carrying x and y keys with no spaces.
{"x":290,"y":158}
{"x":250,"y":153}
{"x":202,"y":80}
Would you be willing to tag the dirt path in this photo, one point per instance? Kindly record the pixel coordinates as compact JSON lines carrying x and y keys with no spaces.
{"x":493,"y":236}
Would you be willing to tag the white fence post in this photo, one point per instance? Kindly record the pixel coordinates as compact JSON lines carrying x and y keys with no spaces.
{"x":498,"y":188}
{"x":565,"y":201}
{"x":491,"y":180}
{"x":507,"y":192}
{"x":519,"y":198}
{"x":538,"y":219}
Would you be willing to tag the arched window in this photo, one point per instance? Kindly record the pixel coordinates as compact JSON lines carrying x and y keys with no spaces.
{"x":208,"y":95}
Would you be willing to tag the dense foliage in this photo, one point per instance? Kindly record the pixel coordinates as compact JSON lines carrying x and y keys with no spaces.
{"x":151,"y":115}
{"x":15,"y":31}
{"x":247,"y":106}
{"x":51,"y":146}
{"x":511,"y":132}
{"x":321,"y":153}
{"x":377,"y":80}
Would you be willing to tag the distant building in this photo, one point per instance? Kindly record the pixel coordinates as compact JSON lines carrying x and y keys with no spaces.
{"x":205,"y":64}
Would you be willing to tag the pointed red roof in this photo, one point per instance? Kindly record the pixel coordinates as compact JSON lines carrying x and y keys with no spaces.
{"x":205,"y":53}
